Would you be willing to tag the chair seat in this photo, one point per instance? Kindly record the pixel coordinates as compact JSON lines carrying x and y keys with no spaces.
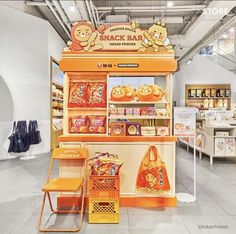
{"x":63,"y":185}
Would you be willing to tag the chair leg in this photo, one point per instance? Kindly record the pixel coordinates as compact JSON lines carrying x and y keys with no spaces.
{"x":50,"y":203}
{"x":81,"y":209}
{"x":41,"y":213}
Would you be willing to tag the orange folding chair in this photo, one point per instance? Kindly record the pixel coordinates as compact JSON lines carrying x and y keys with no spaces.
{"x":64,"y":185}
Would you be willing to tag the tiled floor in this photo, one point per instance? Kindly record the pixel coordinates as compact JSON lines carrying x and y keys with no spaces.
{"x":20,"y":198}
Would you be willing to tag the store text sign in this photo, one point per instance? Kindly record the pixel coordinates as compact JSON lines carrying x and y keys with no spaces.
{"x":121,"y":38}
{"x":185,"y":121}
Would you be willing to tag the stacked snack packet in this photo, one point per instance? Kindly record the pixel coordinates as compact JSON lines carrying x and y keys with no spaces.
{"x":105,"y":164}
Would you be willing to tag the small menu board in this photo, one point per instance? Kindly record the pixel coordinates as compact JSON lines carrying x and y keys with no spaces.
{"x":185,"y":121}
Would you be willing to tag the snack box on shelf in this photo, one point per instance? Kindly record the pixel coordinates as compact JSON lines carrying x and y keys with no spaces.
{"x":133,"y":129}
{"x":118,"y":129}
{"x":148,"y":131}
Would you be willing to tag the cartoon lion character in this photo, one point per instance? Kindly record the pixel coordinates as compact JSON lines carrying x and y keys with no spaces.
{"x":122,"y":94}
{"x":155,"y":39}
{"x":150,"y":93}
{"x":83,"y":37}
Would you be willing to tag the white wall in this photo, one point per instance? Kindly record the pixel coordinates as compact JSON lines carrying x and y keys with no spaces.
{"x":202,"y":71}
{"x":26,"y":44}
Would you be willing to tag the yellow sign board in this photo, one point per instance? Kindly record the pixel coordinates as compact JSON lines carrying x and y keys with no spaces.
{"x":118,"y":37}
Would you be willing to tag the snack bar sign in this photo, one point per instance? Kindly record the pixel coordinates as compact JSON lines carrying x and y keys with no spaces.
{"x":121,"y":37}
{"x":118,"y":37}
{"x":185,"y":121}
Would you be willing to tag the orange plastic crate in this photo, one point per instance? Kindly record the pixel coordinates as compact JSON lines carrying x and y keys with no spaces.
{"x":104,"y":187}
{"x":104,"y":211}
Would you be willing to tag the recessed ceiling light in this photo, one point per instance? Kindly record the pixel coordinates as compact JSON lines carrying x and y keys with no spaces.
{"x":72,"y":8}
{"x":225,"y":35}
{"x":231,"y":29}
{"x":170,"y":3}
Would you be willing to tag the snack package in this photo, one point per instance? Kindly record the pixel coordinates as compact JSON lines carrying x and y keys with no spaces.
{"x":113,"y":111}
{"x":120,"y":111}
{"x":105,"y":164}
{"x":162,"y":131}
{"x":147,"y":111}
{"x":118,"y":129}
{"x":97,"y":94}
{"x":78,"y":94}
{"x":136,"y":111}
{"x":162,"y":113}
{"x":97,"y":124}
{"x":128,"y":111}
{"x":79,"y":124}
{"x":133,"y":129}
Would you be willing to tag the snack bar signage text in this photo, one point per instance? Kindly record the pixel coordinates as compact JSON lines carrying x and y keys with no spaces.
{"x":118,"y":37}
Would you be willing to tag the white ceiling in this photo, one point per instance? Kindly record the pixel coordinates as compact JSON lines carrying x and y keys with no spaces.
{"x":186,"y":24}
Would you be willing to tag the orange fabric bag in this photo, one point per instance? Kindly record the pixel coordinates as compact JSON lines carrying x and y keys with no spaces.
{"x":152,"y":174}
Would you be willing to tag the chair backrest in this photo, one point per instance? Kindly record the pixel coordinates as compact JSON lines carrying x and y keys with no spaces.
{"x":72,"y":159}
{"x":70,"y":153}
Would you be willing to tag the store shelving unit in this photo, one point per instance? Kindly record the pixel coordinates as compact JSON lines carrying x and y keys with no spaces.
{"x":199,"y":101}
{"x":208,"y":141}
{"x":165,"y":82}
{"x":56,"y":105}
{"x":70,"y":112}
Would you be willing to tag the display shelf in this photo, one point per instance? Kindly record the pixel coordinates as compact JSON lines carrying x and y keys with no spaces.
{"x":57,"y":116}
{"x":59,"y":86}
{"x":193,"y":98}
{"x":137,"y":117}
{"x":137,"y":103}
{"x":55,"y":131}
{"x":57,"y":99}
{"x":224,"y":136}
{"x":199,"y":102}
{"x":57,"y":107}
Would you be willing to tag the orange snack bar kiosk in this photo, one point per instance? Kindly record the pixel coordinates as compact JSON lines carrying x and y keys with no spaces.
{"x":125,"y":63}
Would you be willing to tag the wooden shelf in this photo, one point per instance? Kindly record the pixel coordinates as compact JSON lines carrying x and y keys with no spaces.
{"x":57,"y":99}
{"x":57,"y":116}
{"x":203,"y":98}
{"x":137,"y":117}
{"x":56,"y":131}
{"x":136,"y":103}
{"x":60,"y":86}
{"x":224,"y":136}
{"x":57,"y":107}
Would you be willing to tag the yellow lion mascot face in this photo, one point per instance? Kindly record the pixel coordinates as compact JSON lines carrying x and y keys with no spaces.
{"x":158,"y":33}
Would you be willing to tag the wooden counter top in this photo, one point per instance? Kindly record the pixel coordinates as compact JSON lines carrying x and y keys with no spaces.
{"x":79,"y":138}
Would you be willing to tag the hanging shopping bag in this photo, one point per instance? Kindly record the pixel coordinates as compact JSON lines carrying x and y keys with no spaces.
{"x":19,"y":139}
{"x":34,"y":133}
{"x":13,"y":147}
{"x":152,"y":174}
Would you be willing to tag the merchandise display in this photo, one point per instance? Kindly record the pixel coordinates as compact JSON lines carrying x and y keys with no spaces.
{"x":123,"y":109}
{"x":206,"y":97}
{"x":57,"y":102}
{"x":130,"y":105}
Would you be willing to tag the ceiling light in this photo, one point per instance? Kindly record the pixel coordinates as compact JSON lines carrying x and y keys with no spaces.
{"x":72,"y":8}
{"x":189,"y":61}
{"x":225,"y":36}
{"x":170,"y":4}
{"x":231,"y":30}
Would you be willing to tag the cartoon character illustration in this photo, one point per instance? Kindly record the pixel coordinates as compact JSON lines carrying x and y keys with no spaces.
{"x":150,"y":93}
{"x":83,"y":37}
{"x":122,"y":93}
{"x":155,"y":39}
